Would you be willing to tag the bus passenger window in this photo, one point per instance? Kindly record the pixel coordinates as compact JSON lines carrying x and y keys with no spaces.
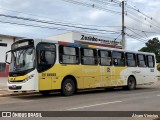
{"x":150,"y":61}
{"x":131,"y":60}
{"x":118,"y":58}
{"x":105,"y":57}
{"x":89,"y":56}
{"x":141,"y":61}
{"x":68,"y":55}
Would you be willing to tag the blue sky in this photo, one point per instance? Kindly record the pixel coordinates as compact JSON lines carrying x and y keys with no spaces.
{"x":61,"y":11}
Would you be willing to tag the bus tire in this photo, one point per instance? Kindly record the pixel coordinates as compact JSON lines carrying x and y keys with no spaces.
{"x":45,"y":92}
{"x":68,"y":87}
{"x":131,"y":83}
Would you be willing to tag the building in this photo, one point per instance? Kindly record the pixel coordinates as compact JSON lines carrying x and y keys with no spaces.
{"x":91,"y":39}
{"x":5,"y":45}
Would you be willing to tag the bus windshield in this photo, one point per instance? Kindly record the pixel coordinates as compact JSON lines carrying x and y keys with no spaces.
{"x":22,"y":59}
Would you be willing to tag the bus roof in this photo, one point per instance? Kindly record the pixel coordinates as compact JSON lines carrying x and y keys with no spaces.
{"x":88,"y":46}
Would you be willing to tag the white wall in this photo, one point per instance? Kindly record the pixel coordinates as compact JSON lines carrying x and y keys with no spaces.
{"x":3,"y":50}
{"x":66,"y":37}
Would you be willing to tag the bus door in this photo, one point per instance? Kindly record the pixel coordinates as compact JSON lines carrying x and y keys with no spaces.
{"x":145,"y":68}
{"x":46,"y":56}
{"x":90,"y":69}
{"x":90,"y":76}
{"x":151,"y":68}
{"x":106,"y":69}
{"x":118,"y":72}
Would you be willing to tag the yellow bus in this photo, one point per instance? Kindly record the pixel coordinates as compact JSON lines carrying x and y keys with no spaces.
{"x":46,"y":65}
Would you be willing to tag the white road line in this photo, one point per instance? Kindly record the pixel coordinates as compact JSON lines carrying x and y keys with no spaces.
{"x":94,"y":105}
{"x":158,"y":95}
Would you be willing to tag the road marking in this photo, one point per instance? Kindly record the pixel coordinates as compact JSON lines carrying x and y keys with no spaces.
{"x":94,"y":105}
{"x":158,"y":95}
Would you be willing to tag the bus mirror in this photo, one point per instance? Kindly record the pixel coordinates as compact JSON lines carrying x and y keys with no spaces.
{"x":158,"y":66}
{"x":7,"y":58}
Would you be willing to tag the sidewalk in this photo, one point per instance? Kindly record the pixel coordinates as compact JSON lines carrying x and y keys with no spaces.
{"x":3,"y":83}
{"x":3,"y":86}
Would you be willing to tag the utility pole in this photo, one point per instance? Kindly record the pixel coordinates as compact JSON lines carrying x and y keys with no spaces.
{"x":123,"y":27}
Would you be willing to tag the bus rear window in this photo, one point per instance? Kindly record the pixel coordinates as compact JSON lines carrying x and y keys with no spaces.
{"x":150,"y":61}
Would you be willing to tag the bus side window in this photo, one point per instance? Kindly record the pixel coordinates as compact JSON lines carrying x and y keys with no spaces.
{"x":68,"y":55}
{"x":131,"y":59}
{"x":118,"y":58}
{"x":104,"y":57}
{"x":141,"y":60}
{"x":89,"y":56}
{"x":150,"y":61}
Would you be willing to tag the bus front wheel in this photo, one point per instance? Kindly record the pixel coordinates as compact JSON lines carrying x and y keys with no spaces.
{"x":68,"y":87}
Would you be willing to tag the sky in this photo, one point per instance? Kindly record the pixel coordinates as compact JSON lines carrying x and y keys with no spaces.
{"x":141,"y":27}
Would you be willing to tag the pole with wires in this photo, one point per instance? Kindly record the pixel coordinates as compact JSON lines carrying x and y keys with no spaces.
{"x":123,"y":27}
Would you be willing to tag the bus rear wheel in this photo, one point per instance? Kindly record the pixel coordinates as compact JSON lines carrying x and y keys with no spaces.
{"x":68,"y":87}
{"x":131,"y":84}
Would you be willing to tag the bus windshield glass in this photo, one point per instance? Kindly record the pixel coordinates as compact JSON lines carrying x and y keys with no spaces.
{"x":22,"y":59}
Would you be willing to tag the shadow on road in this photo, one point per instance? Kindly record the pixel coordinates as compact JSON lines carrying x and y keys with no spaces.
{"x":90,"y":92}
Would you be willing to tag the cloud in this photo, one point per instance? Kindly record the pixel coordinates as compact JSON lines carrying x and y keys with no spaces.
{"x":60,"y":11}
{"x":96,"y":14}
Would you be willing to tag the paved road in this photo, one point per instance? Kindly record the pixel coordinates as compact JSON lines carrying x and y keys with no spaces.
{"x":3,"y":83}
{"x":142,"y":99}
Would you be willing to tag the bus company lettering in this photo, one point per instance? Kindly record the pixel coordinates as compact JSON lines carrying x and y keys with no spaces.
{"x":94,"y":39}
{"x":134,"y":72}
{"x":48,"y":74}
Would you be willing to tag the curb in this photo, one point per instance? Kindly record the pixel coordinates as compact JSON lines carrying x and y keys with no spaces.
{"x":17,"y":94}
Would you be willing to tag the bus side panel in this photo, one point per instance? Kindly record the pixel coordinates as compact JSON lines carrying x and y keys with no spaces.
{"x":120,"y":76}
{"x":45,"y":80}
{"x":63,"y":70}
{"x":106,"y":75}
{"x":91,"y":75}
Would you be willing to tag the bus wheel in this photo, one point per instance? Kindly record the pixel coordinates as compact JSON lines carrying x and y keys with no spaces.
{"x":68,"y":87}
{"x":131,"y":85}
{"x":45,"y":93}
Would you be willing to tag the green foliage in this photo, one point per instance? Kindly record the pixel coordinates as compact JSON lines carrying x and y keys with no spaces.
{"x":153,"y":46}
{"x":158,"y":67}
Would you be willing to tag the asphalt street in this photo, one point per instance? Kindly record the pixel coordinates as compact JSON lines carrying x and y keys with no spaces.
{"x":142,"y":99}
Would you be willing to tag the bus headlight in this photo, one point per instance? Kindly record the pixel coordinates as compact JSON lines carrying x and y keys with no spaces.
{"x":29,"y":77}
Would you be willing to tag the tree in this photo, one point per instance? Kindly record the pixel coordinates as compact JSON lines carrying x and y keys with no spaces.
{"x":153,"y":46}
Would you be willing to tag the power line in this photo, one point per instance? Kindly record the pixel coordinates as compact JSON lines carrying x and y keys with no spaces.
{"x":135,"y":38}
{"x":58,"y":21}
{"x":136,"y":33}
{"x":145,"y":15}
{"x":91,"y":6}
{"x":104,"y":3}
{"x":143,"y":23}
{"x":47,"y":27}
{"x":53,"y":23}
{"x":142,"y":30}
